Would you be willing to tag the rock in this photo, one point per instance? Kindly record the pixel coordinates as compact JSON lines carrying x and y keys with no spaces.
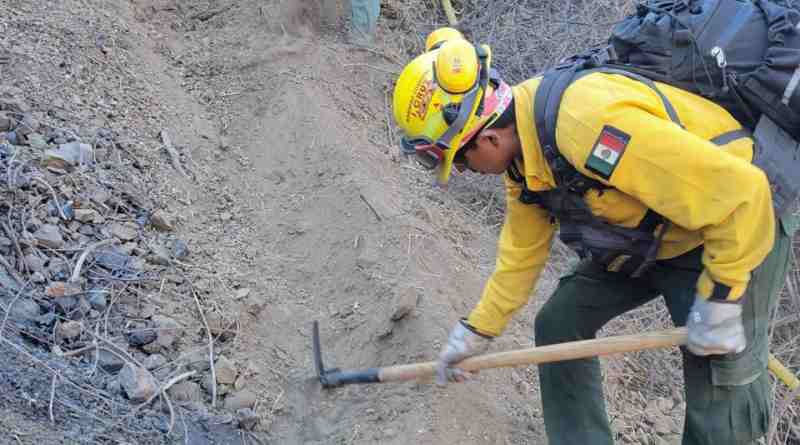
{"x":125,"y":231}
{"x":49,"y":236}
{"x":6,"y":121}
{"x":167,"y":330}
{"x":160,"y":221}
{"x":38,"y":278}
{"x":59,"y":269}
{"x":37,"y":141}
{"x":137,"y":382}
{"x":405,"y":304}
{"x":186,"y":392}
{"x":112,"y":259}
{"x":69,"y":155}
{"x":109,"y":361}
{"x":180,"y":249}
{"x":248,"y":419}
{"x":225,"y":216}
{"x":198,"y":360}
{"x":159,"y":255}
{"x":241,"y":293}
{"x":97,"y":299}
{"x":24,"y":309}
{"x":69,"y":330}
{"x":154,"y":361}
{"x":141,"y":337}
{"x":225,"y":371}
{"x":240,"y":383}
{"x":34,"y":262}
{"x":88,"y":216}
{"x":59,"y":289}
{"x":240,"y":400}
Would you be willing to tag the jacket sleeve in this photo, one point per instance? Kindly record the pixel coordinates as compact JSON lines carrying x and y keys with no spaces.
{"x":691,"y":182}
{"x":522,"y":252}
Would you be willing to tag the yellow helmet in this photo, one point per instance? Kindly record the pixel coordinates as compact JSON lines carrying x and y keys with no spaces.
{"x":441,"y":35}
{"x":443,"y":98}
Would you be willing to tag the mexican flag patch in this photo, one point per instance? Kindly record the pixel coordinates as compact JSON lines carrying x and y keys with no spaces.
{"x":607,"y":151}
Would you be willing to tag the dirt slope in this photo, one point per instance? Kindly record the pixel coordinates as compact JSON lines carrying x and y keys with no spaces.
{"x":327,"y":226}
{"x":295,"y":208}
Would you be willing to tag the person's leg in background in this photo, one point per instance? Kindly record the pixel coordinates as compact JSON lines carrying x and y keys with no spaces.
{"x":363,"y":21}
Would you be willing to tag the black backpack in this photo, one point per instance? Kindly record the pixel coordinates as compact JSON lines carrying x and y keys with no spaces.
{"x":742,"y":54}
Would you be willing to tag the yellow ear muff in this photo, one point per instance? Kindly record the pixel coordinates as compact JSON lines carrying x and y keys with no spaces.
{"x":457,"y":66}
{"x":441,"y":35}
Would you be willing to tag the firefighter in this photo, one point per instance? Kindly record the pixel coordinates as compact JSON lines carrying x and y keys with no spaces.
{"x":687,"y":216}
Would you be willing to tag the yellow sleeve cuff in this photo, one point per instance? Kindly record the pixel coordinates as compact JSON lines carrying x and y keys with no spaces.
{"x":713,"y":290}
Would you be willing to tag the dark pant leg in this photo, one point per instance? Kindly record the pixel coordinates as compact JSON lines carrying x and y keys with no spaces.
{"x":572,"y":392}
{"x":727,"y":397}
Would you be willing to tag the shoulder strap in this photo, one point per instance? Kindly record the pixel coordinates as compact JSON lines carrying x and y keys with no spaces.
{"x":545,"y":114}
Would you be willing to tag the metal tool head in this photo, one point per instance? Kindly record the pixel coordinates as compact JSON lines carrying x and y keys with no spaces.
{"x":322,"y":373}
{"x":331,"y":378}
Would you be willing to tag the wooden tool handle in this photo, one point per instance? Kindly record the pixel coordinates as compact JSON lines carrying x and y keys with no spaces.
{"x":545,"y":354}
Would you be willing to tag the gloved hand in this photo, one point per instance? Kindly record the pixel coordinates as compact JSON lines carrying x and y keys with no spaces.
{"x":715,"y":328}
{"x":463,"y":342}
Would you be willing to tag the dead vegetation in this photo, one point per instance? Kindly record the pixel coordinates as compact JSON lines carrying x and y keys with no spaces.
{"x":526,"y":37}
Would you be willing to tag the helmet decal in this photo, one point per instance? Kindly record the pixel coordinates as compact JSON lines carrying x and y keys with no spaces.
{"x":423,"y":93}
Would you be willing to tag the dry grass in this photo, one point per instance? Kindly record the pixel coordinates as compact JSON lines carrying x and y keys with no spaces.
{"x":526,"y":37}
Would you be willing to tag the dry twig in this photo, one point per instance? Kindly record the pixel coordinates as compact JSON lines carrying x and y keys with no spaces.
{"x":53,"y":396}
{"x":210,"y":347}
{"x":55,"y":196}
{"x":76,"y":273}
{"x":174,"y":157}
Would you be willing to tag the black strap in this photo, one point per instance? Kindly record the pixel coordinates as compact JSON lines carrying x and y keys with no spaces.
{"x":727,"y":138}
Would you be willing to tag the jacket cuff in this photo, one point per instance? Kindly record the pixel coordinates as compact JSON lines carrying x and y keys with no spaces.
{"x":713,"y":290}
{"x":474,"y":330}
{"x":485,"y":326}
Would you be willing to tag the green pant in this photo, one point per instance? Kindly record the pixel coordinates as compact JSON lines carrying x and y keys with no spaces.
{"x":727,"y":397}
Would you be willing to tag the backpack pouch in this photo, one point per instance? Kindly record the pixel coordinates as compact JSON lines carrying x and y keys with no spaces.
{"x":774,"y":87}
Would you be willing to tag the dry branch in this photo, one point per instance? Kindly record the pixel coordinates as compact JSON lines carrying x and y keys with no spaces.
{"x":76,"y":273}
{"x":55,"y":196}
{"x":20,"y":258}
{"x":174,"y":157}
{"x":210,"y":348}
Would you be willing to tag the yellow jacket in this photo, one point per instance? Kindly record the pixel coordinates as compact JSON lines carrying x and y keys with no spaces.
{"x":712,"y":194}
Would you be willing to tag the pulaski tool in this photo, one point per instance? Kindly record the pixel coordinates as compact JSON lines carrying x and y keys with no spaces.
{"x":333,"y":377}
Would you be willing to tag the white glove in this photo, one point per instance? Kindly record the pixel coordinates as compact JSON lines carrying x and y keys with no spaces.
{"x":715,"y":328}
{"x":463,"y":342}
